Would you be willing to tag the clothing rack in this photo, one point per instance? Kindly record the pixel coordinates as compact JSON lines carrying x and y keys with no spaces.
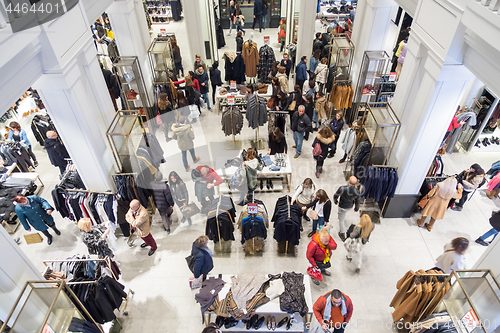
{"x":235,"y":145}
{"x":87,"y":191}
{"x":84,"y":260}
{"x":385,"y":201}
{"x":217,"y":221}
{"x":257,"y":143}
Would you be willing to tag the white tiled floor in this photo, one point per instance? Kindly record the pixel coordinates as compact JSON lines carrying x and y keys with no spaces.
{"x":162,"y":296}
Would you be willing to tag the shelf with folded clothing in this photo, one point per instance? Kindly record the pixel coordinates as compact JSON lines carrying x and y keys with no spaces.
{"x":297,"y":325}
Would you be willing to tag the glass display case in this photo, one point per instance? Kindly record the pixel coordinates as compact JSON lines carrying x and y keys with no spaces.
{"x":472,"y":302}
{"x":341,"y":54}
{"x":274,"y":10}
{"x":224,"y":13}
{"x":134,"y":89}
{"x":161,"y":60}
{"x":41,"y":307}
{"x":125,"y":135}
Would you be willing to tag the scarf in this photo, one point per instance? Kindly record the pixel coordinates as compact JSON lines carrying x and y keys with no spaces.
{"x":324,"y":248}
{"x":206,"y":249}
{"x":328,"y":308}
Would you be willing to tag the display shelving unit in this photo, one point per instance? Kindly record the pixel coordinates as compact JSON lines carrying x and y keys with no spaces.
{"x":341,"y":54}
{"x":161,"y":60}
{"x":159,"y":11}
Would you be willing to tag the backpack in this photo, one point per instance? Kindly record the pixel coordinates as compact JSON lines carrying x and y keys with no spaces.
{"x":239,"y":178}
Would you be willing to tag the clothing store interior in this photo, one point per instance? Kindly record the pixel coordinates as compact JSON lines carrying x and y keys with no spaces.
{"x":337,"y":161}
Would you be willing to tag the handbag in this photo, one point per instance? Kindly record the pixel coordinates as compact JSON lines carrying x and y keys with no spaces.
{"x":271,"y":102}
{"x":350,"y":230}
{"x":189,"y":210}
{"x":190,"y":261}
{"x":314,"y":273}
{"x":291,"y":107}
{"x":423,"y":202}
{"x":158,"y":119}
{"x":314,"y":214}
{"x":317,"y":149}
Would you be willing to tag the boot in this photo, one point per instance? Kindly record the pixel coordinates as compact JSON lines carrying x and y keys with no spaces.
{"x":430,"y":224}
{"x":342,"y":236}
{"x":421,"y":221}
{"x":58,"y":233}
{"x":331,"y":154}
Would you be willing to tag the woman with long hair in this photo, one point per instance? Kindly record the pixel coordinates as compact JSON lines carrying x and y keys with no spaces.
{"x":177,"y":58}
{"x":471,"y":180}
{"x":274,"y":69}
{"x":336,"y":125}
{"x":322,"y":208}
{"x":252,"y":167}
{"x":17,"y":134}
{"x":324,"y":138}
{"x":358,"y":237}
{"x":277,"y":142}
{"x":453,"y":257}
{"x":282,"y":34}
{"x":304,"y":195}
{"x":315,"y":60}
{"x":179,"y":192}
{"x":438,"y":199}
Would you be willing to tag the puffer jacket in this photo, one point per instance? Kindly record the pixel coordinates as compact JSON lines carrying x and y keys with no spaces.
{"x":325,"y":145}
{"x":162,"y":196}
{"x":203,"y":262}
{"x":184,"y":135}
{"x":315,"y":253}
{"x":321,"y":73}
{"x":252,"y":167}
{"x":283,"y":82}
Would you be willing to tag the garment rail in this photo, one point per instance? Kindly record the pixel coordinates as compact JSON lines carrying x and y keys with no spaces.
{"x":106,"y":260}
{"x":87,"y":191}
{"x":382,"y":166}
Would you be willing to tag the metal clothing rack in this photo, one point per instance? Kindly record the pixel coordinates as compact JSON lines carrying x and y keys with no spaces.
{"x":385,"y":201}
{"x":88,"y":191}
{"x":106,"y":261}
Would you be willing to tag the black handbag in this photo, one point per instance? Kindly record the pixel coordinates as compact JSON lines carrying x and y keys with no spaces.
{"x":190,"y":261}
{"x":350,"y":230}
{"x":189,"y":210}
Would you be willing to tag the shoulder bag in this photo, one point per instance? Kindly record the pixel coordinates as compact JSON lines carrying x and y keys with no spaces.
{"x":317,"y":149}
{"x":270,"y":102}
{"x":314,"y":214}
{"x":189,"y":210}
{"x":190,"y":262}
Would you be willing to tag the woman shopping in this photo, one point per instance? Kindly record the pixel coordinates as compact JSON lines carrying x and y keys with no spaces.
{"x":471,"y":180}
{"x":252,"y":167}
{"x":179,"y":192}
{"x":277,"y":142}
{"x":358,"y":237}
{"x":453,"y":257}
{"x":321,"y":211}
{"x":17,"y":134}
{"x":93,"y":238}
{"x":319,"y":252}
{"x":167,"y":117}
{"x":437,"y":201}
{"x":321,"y":145}
{"x":304,"y":195}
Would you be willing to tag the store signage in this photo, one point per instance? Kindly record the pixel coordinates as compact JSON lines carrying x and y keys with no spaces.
{"x":233,"y":85}
{"x":230,"y":100}
{"x":266,"y":40}
{"x":163,"y":32}
{"x":392,"y":77}
{"x":252,"y":208}
{"x":470,"y":321}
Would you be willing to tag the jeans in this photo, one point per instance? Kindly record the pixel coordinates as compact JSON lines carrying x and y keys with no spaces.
{"x":179,"y":68}
{"x":298,"y":138}
{"x":492,"y":232}
{"x":315,"y":118}
{"x":184,"y":157}
{"x":264,"y":21}
{"x":239,"y":28}
{"x":342,"y":212}
{"x":205,"y":97}
{"x":320,"y":221}
{"x":259,"y":20}
{"x":230,"y":25}
{"x":150,"y":241}
{"x":282,"y":46}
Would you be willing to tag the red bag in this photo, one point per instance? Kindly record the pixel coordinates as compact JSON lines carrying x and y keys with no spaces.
{"x":317,"y":149}
{"x":158,"y":119}
{"x":282,"y":33}
{"x":315,"y":273}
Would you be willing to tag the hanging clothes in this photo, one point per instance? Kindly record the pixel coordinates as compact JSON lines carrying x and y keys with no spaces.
{"x":360,"y":157}
{"x":287,"y":221}
{"x":40,"y":125}
{"x":341,"y":96}
{"x":266,"y":61}
{"x":379,"y":183}
{"x":470,"y":120}
{"x":251,"y":57}
{"x":15,"y":152}
{"x":229,"y":57}
{"x":256,"y":111}
{"x":232,"y":120}
{"x":220,"y":219}
{"x":239,"y":69}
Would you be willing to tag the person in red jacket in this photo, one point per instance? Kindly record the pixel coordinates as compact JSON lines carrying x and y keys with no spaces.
{"x":454,"y":124}
{"x":333,"y":310}
{"x":319,"y":252}
{"x":210,"y":179}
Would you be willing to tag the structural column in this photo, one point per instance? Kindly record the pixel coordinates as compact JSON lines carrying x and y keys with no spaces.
{"x":194,"y":27}
{"x":305,"y":35}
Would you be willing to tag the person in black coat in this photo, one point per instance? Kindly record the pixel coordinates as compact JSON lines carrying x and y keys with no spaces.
{"x":179,"y":192}
{"x":257,"y":13}
{"x":163,"y":199}
{"x":277,"y":142}
{"x":202,"y":78}
{"x":325,"y":138}
{"x":336,"y":125}
{"x":203,"y":262}
{"x":56,"y":151}
{"x":215,"y":78}
{"x":239,"y":42}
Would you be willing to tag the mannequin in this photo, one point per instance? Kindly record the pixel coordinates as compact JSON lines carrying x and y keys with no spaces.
{"x":251,"y":57}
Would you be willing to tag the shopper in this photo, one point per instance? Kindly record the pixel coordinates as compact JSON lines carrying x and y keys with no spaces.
{"x":274,"y":70}
{"x":167,"y":117}
{"x":196,"y":84}
{"x":495,"y":223}
{"x":315,"y":60}
{"x":177,"y":59}
{"x":321,"y":211}
{"x":321,"y":73}
{"x":438,"y":199}
{"x":94,"y":239}
{"x":198,"y":62}
{"x":202,"y":78}
{"x":454,"y":124}
{"x":163,"y":199}
{"x":333,"y":310}
{"x":320,"y":106}
{"x":310,"y":112}
{"x":358,"y":237}
{"x":471,"y":180}
{"x":336,"y":125}
{"x":179,"y":192}
{"x":232,"y":16}
{"x":301,"y":124}
{"x":239,"y":42}
{"x":349,"y":196}
{"x":215,"y":78}
{"x":317,"y":43}
{"x":57,"y":152}
{"x":401,"y":58}
{"x":301,"y":72}
{"x":283,"y":80}
{"x":34,"y":211}
{"x":304,"y":194}
{"x":277,"y":142}
{"x":352,"y":13}
{"x":192,"y":95}
{"x":17,"y":134}
{"x":287,"y":63}
{"x":282,"y":34}
{"x":257,"y":13}
{"x":203,"y":262}
{"x":325,"y":139}
{"x":240,"y":20}
{"x":111,"y":84}
{"x":263,"y":17}
{"x":319,"y":252}
{"x":138,"y":218}
{"x":205,"y":178}
{"x":184,"y":134}
{"x":252,"y":167}
{"x":453,"y":257}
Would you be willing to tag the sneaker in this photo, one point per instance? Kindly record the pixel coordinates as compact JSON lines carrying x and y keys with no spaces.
{"x":143,"y":245}
{"x":187,"y":169}
{"x":481,"y":242}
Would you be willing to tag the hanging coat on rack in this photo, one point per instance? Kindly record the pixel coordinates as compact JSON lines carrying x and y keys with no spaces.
{"x":251,"y":58}
{"x":266,"y":61}
{"x":229,"y":57}
{"x":239,"y":69}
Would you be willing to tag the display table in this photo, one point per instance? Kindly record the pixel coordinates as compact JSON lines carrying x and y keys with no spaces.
{"x":239,"y":99}
{"x":271,"y":308}
{"x":280,"y":179}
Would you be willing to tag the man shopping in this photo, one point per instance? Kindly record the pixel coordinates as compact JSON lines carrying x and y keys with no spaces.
{"x":349,"y":196}
{"x":300,"y":125}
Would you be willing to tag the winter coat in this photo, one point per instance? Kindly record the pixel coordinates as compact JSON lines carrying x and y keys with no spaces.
{"x":140,"y":222}
{"x":266,"y":60}
{"x":288,"y":66}
{"x":229,"y":57}
{"x":200,"y":189}
{"x":203,"y":262}
{"x":315,"y":253}
{"x":215,"y":76}
{"x":251,"y":57}
{"x":313,"y":63}
{"x":256,"y":111}
{"x":257,"y":7}
{"x":252,"y":168}
{"x":35,"y":213}
{"x":162,"y":196}
{"x":321,"y":73}
{"x":349,"y":196}
{"x":301,"y":71}
{"x":239,"y":69}
{"x":324,"y":144}
{"x":23,"y":137}
{"x":184,"y":135}
{"x":56,"y":151}
{"x":320,"y":106}
{"x":283,"y":82}
{"x":436,"y":206}
{"x":196,"y":64}
{"x":177,"y":55}
{"x":470,"y":184}
{"x":302,"y":123}
{"x":180,"y":194}
{"x":239,"y":43}
{"x":336,"y":126}
{"x":202,"y":78}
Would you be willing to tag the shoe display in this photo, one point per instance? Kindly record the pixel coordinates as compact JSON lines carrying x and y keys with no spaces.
{"x":230,"y":322}
{"x":481,"y":242}
{"x":273,"y":323}
{"x":251,"y":322}
{"x":151,"y":252}
{"x":143,"y":245}
{"x":282,"y":322}
{"x":268,"y":323}
{"x":259,"y":322}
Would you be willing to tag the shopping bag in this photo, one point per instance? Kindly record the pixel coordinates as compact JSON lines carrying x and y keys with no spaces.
{"x":158,"y":119}
{"x":195,"y":283}
{"x":190,"y":261}
{"x":194,"y":112}
{"x":314,"y":273}
{"x":189,"y":210}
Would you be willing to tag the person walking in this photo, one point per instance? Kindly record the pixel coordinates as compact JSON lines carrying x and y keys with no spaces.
{"x":282,"y":34}
{"x":401,"y":58}
{"x":495,"y":223}
{"x":202,"y":78}
{"x":319,"y":252}
{"x":315,"y":60}
{"x":301,"y":124}
{"x":304,"y":194}
{"x":167,"y":117}
{"x":277,"y":142}
{"x":138,"y":218}
{"x":34,"y":211}
{"x":453,"y":257}
{"x":197,"y":63}
{"x":56,"y":151}
{"x":205,"y":178}
{"x":438,"y":199}
{"x":94,"y":239}
{"x":263,"y":17}
{"x":323,"y":140}
{"x":184,"y":134}
{"x":471,"y":180}
{"x":179,"y":192}
{"x":321,"y":212}
{"x":320,"y":106}
{"x":287,"y":63}
{"x":283,"y":80}
{"x":203,"y":262}
{"x":177,"y":58}
{"x":346,"y":197}
{"x":232,"y":16}
{"x":162,"y":197}
{"x":17,"y":134}
{"x":301,"y":72}
{"x":257,"y":13}
{"x":321,"y":73}
{"x":336,"y":125}
{"x":111,"y":84}
{"x":252,"y":167}
{"x":333,"y":310}
{"x":239,"y":42}
{"x":358,"y":237}
{"x":215,"y":79}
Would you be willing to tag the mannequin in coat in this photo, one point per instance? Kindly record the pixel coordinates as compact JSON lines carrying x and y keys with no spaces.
{"x":251,"y":57}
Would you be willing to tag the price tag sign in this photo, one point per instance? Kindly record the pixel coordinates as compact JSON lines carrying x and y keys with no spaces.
{"x":233,"y":84}
{"x":230,"y":100}
{"x":252,"y":208}
{"x":392,"y":77}
{"x":470,"y":321}
{"x":163,"y":32}
{"x":266,"y":40}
